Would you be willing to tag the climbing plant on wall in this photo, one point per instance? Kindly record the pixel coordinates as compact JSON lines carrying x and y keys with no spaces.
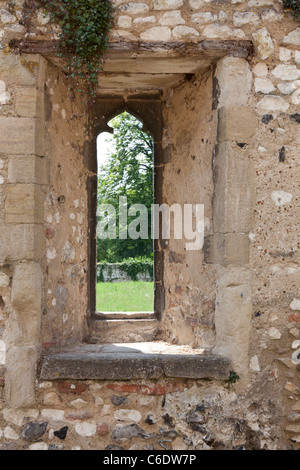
{"x":293,"y":6}
{"x":84,"y":31}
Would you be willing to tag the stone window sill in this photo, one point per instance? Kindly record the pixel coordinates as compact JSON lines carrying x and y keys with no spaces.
{"x":129,"y":361}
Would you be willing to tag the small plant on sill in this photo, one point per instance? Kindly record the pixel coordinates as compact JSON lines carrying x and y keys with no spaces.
{"x":293,"y":7}
{"x":232,"y":379}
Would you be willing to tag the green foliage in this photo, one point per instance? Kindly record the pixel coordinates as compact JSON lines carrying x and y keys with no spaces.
{"x":134,"y":266}
{"x":293,"y":6}
{"x":128,"y":172}
{"x":85,"y":26}
{"x":233,"y":378}
{"x":100,"y":277}
{"x":131,"y":266}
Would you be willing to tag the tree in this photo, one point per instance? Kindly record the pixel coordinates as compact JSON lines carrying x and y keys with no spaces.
{"x":127,"y":172}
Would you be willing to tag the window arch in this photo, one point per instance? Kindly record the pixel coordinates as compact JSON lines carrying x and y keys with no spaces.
{"x":147,"y":109}
{"x":125,"y":198}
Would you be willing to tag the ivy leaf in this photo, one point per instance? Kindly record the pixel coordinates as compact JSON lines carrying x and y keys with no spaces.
{"x":85,"y":26}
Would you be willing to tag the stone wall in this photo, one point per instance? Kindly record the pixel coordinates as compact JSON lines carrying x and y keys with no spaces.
{"x":114,"y":273}
{"x":231,"y":141}
{"x":190,"y":131}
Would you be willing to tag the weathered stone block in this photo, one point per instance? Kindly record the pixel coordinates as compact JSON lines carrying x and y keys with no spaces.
{"x":28,"y":169}
{"x":21,"y":136}
{"x":22,"y":242}
{"x":234,"y":80}
{"x":20,"y":376}
{"x":27,"y":288}
{"x":29,"y":102}
{"x":112,"y":362}
{"x":26,"y":298}
{"x":234,"y":191}
{"x":24,"y":328}
{"x":238,"y":123}
{"x":233,"y":317}
{"x":42,"y":65}
{"x":17,"y":71}
{"x":227,"y":249}
{"x":24,"y":204}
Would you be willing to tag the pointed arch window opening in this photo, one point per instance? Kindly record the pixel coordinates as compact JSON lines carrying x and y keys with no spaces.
{"x":125,"y":194}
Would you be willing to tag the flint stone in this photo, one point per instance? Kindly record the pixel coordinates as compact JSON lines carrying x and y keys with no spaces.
{"x":62,"y":433}
{"x":114,"y":447}
{"x":34,"y":431}
{"x":116,"y":400}
{"x":295,"y":117}
{"x":127,"y":432}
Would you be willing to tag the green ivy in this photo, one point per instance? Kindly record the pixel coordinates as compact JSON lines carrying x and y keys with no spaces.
{"x":85,"y":27}
{"x":293,"y":6}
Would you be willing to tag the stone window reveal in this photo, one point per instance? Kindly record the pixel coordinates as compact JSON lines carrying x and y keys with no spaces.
{"x":148,"y":109}
{"x":125,"y":198}
{"x":186,"y":98}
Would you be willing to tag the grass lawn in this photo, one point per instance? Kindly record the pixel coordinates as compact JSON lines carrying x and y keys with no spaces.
{"x":125,"y":296}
